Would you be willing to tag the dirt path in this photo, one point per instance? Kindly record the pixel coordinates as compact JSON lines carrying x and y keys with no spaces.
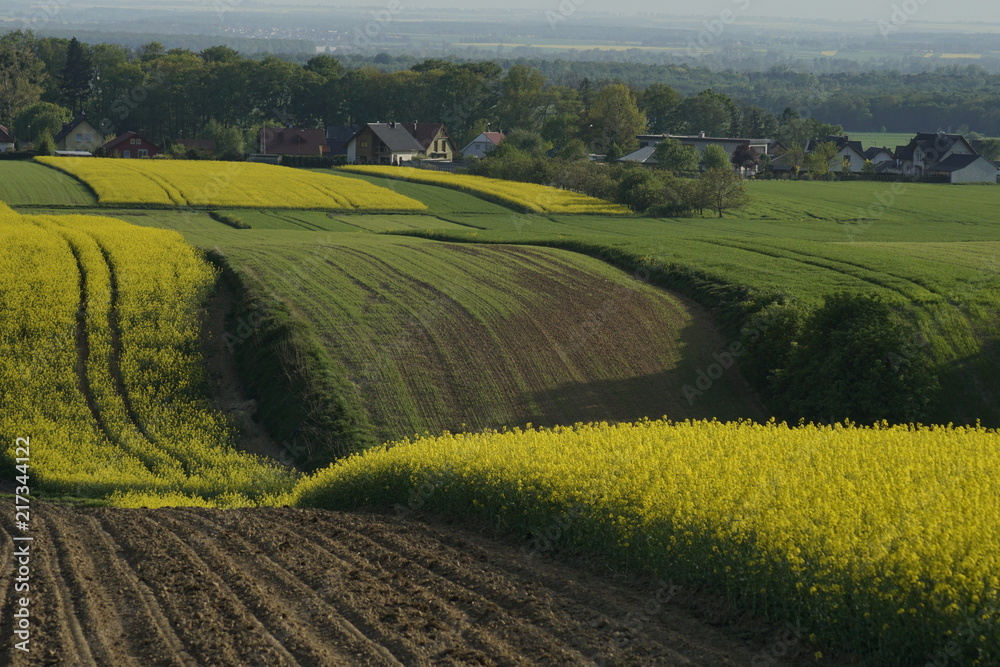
{"x":309,"y":587}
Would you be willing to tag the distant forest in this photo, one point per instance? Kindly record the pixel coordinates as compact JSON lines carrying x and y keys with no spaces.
{"x":219,"y":92}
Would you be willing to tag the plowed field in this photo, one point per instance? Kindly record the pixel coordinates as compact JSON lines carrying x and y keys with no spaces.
{"x":300,"y":587}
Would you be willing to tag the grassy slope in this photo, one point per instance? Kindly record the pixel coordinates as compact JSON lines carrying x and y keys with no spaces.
{"x":31,"y":184}
{"x":933,"y":248}
{"x":441,"y":336}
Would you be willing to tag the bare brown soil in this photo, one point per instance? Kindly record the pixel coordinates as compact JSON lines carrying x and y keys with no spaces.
{"x":308,"y":587}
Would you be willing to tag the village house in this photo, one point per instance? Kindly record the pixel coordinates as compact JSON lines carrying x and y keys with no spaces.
{"x":383,"y":143}
{"x":338,"y":136}
{"x":851,"y":152}
{"x":291,"y":141}
{"x":649,"y":142}
{"x":79,"y":136}
{"x":483,"y":144}
{"x":6,"y":140}
{"x":433,"y":138}
{"x":941,"y":154}
{"x":131,"y":145}
{"x":878,"y":156}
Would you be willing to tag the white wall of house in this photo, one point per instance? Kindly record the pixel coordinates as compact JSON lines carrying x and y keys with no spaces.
{"x":352,"y":151}
{"x":980,"y":171}
{"x":6,"y":146}
{"x":478,"y":147}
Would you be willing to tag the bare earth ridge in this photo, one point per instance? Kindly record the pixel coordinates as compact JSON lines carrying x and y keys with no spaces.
{"x":310,"y":587}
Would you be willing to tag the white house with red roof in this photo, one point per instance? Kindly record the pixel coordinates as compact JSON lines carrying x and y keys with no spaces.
{"x":483,"y":144}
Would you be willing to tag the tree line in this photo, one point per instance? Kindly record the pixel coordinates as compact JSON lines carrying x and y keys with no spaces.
{"x":219,"y":93}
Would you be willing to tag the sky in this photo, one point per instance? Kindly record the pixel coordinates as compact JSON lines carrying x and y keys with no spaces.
{"x":932,"y":11}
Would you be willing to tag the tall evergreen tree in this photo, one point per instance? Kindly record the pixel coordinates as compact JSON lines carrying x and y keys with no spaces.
{"x":74,"y":86}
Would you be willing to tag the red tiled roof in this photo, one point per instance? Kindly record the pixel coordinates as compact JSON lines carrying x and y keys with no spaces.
{"x":121,"y":139}
{"x":495,"y":137}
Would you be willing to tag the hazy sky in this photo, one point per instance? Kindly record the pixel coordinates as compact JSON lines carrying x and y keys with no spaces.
{"x":948,"y":11}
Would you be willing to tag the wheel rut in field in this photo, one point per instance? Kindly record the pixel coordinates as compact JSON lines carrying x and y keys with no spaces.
{"x":277,"y":586}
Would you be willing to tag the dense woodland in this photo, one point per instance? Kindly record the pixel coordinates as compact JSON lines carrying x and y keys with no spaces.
{"x":574,"y":107}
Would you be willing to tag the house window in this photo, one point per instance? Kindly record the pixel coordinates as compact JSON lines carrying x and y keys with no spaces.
{"x":134,"y":142}
{"x":364,"y":144}
{"x":79,"y":136}
{"x":88,"y":138}
{"x":126,"y":153}
{"x":143,"y":152}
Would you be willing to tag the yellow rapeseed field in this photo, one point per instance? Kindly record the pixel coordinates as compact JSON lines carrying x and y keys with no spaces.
{"x":226,"y":184}
{"x":529,"y":197}
{"x":885,"y":539}
{"x":99,"y":333}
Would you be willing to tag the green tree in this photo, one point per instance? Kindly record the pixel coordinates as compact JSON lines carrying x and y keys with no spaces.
{"x":715,"y":157}
{"x":659,"y":103}
{"x":77,"y":74}
{"x":521,"y":99}
{"x":990,"y":149}
{"x":45,"y":145}
{"x":615,"y":119}
{"x":709,"y":112}
{"x":672,"y":155}
{"x":22,"y":74}
{"x":40,"y":119}
{"x":721,"y":190}
{"x":857,"y":359}
{"x":868,"y":169}
{"x":531,"y":143}
{"x":820,"y":160}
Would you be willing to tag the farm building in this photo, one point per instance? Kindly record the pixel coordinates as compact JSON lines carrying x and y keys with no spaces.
{"x":131,"y":145}
{"x":6,"y":140}
{"x":382,"y":143}
{"x":965,"y":169}
{"x":433,"y":138}
{"x":483,"y":144}
{"x":79,"y":135}
{"x":290,"y":141}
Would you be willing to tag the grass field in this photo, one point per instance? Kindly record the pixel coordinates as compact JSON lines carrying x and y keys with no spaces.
{"x":29,"y":184}
{"x":879,"y":139}
{"x":449,"y":337}
{"x":181,"y":183}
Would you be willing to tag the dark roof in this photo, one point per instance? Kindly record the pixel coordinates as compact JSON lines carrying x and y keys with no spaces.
{"x":928,"y":142}
{"x":395,"y":137}
{"x":5,"y":135}
{"x":198,"y":144}
{"x":424,"y":133}
{"x":839,"y":142}
{"x":291,"y":141}
{"x":872,"y":152}
{"x":338,"y":136}
{"x":69,"y":127}
{"x":122,"y":138}
{"x":955,"y":163}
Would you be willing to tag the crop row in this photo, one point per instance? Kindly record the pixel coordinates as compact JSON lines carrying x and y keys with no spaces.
{"x":528,"y":197}
{"x":884,"y":539}
{"x":99,"y":329}
{"x":226,"y":184}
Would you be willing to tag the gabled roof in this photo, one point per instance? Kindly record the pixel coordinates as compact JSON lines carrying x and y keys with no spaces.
{"x":956,"y":163}
{"x":67,"y":128}
{"x":5,"y":136}
{"x":840,"y":142}
{"x":494,"y":137}
{"x":291,"y":141}
{"x":395,"y":137}
{"x":642,"y":156}
{"x":122,"y":138}
{"x":931,"y":142}
{"x":338,"y":136}
{"x":874,"y":152}
{"x":424,"y":133}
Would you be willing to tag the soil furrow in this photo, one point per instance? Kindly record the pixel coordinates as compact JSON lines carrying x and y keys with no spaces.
{"x":310,"y":628}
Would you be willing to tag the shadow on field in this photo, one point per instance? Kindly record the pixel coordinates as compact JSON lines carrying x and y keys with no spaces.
{"x":697,"y":388}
